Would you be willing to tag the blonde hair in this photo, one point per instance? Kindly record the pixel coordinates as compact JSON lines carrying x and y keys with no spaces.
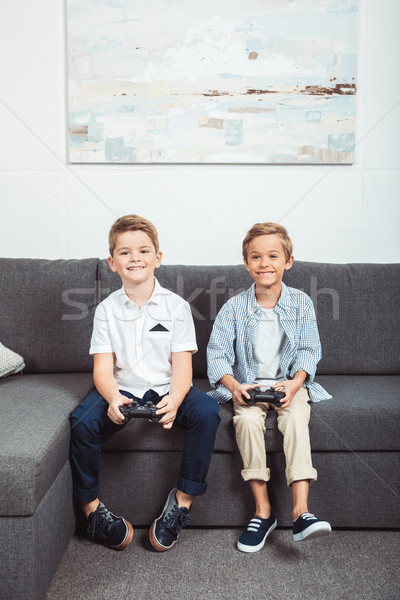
{"x":268,"y":229}
{"x":132,"y":223}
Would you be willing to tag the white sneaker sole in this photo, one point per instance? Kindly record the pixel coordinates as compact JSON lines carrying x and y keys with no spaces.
{"x":313,"y":531}
{"x":244,"y":548}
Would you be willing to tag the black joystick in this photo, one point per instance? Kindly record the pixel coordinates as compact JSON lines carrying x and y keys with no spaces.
{"x":138,"y":411}
{"x":270,"y":395}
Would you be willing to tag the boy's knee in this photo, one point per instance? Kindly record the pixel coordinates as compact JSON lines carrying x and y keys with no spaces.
{"x":249,"y":419}
{"x":82,"y":424}
{"x":213,"y":408}
{"x":205,"y":409}
{"x":209,"y":408}
{"x":292,"y":421}
{"x":78,"y":426}
{"x":74,"y":418}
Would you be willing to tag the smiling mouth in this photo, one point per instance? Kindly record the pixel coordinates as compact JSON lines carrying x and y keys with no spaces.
{"x":265,"y":273}
{"x":135,"y":268}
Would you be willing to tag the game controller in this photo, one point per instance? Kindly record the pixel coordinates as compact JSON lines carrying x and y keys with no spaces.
{"x":270,"y":395}
{"x":138,"y":411}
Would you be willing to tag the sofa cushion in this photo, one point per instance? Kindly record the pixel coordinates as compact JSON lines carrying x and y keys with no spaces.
{"x":33,"y":546}
{"x":358,"y":315}
{"x":352,"y":490}
{"x":47,"y":312}
{"x":34,"y":443}
{"x":361,"y":417}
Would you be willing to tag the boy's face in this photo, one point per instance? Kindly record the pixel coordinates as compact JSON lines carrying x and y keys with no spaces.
{"x":266,"y":260}
{"x":134,"y":257}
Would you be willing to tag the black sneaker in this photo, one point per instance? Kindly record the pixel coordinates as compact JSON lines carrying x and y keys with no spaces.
{"x":253,"y":538}
{"x":308,"y":526}
{"x":108,"y":529}
{"x":165,"y":530}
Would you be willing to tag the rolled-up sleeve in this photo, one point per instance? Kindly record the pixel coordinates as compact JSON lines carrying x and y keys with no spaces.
{"x":221,"y":347}
{"x":309,"y":345}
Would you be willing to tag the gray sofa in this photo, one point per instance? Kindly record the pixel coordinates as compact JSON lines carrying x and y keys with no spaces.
{"x":47,"y":311}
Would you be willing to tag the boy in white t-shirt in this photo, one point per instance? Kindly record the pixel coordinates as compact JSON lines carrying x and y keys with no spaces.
{"x":143,"y":340}
{"x":267,"y":337}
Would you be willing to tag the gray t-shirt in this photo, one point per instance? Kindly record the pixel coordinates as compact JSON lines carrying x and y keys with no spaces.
{"x":268,"y":342}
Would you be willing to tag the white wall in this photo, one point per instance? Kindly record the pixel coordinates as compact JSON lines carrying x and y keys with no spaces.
{"x":50,"y":209}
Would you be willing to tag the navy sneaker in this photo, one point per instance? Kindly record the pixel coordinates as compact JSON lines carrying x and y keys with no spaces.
{"x":165,"y":530}
{"x":308,"y":526}
{"x":108,"y":529}
{"x":253,"y":538}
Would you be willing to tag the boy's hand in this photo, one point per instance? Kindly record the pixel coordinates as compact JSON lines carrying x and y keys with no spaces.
{"x":167,"y":407}
{"x":113,"y":412}
{"x":241,"y":389}
{"x":290,"y":387}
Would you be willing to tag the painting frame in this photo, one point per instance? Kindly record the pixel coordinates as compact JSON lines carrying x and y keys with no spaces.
{"x":270,"y":82}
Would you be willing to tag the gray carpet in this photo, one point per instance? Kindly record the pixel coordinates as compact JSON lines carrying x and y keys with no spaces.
{"x":205,"y":563}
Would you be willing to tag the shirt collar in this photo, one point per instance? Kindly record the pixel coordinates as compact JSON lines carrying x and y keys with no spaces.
{"x":253,"y":306}
{"x":155,"y":298}
{"x":284,"y":301}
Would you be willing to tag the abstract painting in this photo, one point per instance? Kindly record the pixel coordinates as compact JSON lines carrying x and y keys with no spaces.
{"x":201,"y":81}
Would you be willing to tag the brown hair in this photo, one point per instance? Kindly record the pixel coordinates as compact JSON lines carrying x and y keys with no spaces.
{"x":132,"y":223}
{"x":268,"y":229}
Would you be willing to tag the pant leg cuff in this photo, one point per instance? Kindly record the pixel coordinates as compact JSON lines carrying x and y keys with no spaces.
{"x":301,"y":474}
{"x":260,"y":474}
{"x":193,"y":488}
{"x":85,"y":495}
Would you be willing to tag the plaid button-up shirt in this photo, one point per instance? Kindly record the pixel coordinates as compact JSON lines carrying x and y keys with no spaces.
{"x":230,"y":349}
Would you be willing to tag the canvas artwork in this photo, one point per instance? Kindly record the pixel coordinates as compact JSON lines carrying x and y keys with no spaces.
{"x":201,"y":81}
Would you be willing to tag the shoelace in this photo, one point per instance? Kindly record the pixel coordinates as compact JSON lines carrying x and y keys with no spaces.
{"x":254,"y":524}
{"x":101,"y":518}
{"x":177,"y":518}
{"x":308,"y":516}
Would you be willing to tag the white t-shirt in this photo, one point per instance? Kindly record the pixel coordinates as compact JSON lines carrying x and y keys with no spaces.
{"x":143,"y":339}
{"x":268,"y":342}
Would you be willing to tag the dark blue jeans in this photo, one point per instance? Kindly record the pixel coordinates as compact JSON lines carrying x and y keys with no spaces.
{"x":90,"y":427}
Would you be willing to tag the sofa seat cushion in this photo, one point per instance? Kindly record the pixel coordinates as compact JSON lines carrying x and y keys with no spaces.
{"x":362,"y":416}
{"x":35,"y":435}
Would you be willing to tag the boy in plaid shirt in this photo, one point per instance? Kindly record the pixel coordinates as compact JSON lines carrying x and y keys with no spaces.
{"x":268,"y":336}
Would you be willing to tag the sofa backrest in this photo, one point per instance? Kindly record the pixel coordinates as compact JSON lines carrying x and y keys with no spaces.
{"x":358,"y":315}
{"x":47,"y":309}
{"x":357,"y":307}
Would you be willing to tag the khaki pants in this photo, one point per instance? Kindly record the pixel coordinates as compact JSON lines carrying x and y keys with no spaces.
{"x":249,"y":423}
